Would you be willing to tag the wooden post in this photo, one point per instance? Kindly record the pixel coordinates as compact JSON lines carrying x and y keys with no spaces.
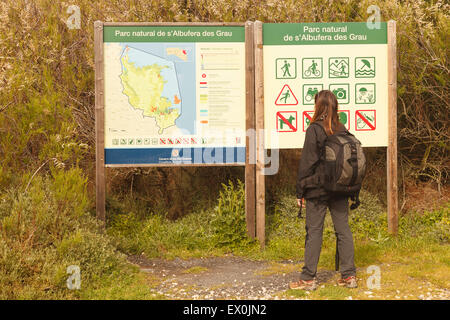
{"x":250,"y":200}
{"x":259,"y":124}
{"x":99,"y":121}
{"x":392,"y":186}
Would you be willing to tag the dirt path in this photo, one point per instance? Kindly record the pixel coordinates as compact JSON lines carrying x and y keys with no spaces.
{"x":232,"y":277}
{"x":223,"y":277}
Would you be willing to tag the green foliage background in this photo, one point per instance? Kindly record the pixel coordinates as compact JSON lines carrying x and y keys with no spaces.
{"x":47,"y":81}
{"x":47,"y":147}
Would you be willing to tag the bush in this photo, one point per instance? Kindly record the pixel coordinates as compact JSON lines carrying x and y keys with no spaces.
{"x":284,"y":222}
{"x":205,"y":232}
{"x":47,"y":86}
{"x":434,"y":225}
{"x":369,"y":220}
{"x":47,"y":228}
{"x":228,"y":222}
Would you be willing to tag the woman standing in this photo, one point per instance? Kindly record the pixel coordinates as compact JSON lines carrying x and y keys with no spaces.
{"x":325,"y":122}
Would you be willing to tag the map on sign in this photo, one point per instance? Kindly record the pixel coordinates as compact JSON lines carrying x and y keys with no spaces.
{"x":174,"y":94}
{"x":151,"y":85}
{"x":147,"y":75}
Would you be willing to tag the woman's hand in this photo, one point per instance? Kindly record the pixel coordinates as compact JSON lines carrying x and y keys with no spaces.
{"x":301,"y":202}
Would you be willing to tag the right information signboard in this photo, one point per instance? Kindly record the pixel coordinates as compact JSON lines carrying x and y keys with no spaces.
{"x":349,"y":59}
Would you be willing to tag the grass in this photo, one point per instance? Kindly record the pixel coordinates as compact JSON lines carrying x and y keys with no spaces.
{"x":46,"y":121}
{"x":278,"y":268}
{"x":195,"y":270}
{"x":419,"y":255}
{"x":294,"y":294}
{"x":36,"y":246}
{"x":195,"y":234}
{"x":396,"y":283}
{"x":47,"y":228}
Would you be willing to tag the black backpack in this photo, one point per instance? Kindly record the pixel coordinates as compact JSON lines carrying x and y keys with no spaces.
{"x":343,"y":165}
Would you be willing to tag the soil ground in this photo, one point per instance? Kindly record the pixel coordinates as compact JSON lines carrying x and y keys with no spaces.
{"x":232,"y":277}
{"x":226,"y":277}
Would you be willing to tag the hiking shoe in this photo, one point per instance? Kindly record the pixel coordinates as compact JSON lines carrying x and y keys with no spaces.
{"x":349,"y":282}
{"x":304,"y":285}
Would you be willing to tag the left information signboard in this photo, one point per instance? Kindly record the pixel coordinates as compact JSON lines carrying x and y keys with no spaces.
{"x":174,"y":95}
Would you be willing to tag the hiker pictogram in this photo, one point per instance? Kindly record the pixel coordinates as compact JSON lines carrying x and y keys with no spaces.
{"x":365,"y":120}
{"x":286,"y":97}
{"x":286,"y":68}
{"x":286,"y":121}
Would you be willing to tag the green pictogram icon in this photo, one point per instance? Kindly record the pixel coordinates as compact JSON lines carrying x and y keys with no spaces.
{"x":309,"y":91}
{"x":286,"y":68}
{"x":123,"y":141}
{"x":364,"y":67}
{"x":343,"y":118}
{"x":286,"y":97}
{"x":286,"y":121}
{"x":139,"y":141}
{"x":338,"y":67}
{"x":115,"y":142}
{"x":312,"y":68}
{"x":307,"y":118}
{"x":131,"y":141}
{"x":290,"y":119}
{"x":365,"y":93}
{"x":146,"y":141}
{"x":365,"y":120}
{"x":341,"y":91}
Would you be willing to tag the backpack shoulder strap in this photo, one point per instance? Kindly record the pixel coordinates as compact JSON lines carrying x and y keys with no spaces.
{"x":321,"y":143}
{"x":319,"y":125}
{"x":353,"y":160}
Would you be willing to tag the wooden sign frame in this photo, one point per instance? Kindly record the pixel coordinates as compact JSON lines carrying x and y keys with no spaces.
{"x":392,"y":179}
{"x":254,"y":173}
{"x":100,"y":118}
{"x":259,"y":125}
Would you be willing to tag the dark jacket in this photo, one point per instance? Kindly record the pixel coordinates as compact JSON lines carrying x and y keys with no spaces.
{"x":308,"y":179}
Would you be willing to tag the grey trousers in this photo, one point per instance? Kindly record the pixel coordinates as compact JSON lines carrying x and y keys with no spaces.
{"x":315,"y":216}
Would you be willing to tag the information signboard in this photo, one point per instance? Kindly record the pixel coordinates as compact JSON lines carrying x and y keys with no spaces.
{"x":349,"y":59}
{"x":174,"y":94}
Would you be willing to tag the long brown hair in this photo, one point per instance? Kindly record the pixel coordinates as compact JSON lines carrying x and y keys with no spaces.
{"x":326,"y":109}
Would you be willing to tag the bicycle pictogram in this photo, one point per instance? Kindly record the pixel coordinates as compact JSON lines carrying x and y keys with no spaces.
{"x":312,"y":68}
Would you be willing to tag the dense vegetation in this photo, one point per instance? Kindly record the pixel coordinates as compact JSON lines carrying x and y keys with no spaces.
{"x":47,"y":86}
{"x":47,"y":147}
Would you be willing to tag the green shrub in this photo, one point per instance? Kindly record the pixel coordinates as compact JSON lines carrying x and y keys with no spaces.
{"x":434,"y":225}
{"x":369,"y":220}
{"x":46,"y":228}
{"x":228,"y":220}
{"x":283,"y":221}
{"x":204,"y":232}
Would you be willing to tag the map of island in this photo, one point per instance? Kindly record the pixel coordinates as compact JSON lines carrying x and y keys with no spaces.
{"x":178,"y":52}
{"x":151,"y":85}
